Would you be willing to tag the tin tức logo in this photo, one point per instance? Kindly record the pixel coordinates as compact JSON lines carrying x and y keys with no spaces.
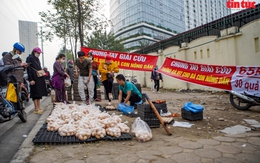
{"x":232,"y":4}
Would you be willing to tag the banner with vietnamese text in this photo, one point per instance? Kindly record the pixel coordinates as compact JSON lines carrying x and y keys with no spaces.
{"x":238,"y":78}
{"x":129,"y":61}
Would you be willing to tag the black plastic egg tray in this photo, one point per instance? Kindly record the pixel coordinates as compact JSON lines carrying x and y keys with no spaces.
{"x":52,"y":137}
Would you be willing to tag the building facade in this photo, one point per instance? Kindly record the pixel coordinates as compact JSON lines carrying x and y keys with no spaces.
{"x":232,"y":40}
{"x":199,"y":12}
{"x":146,"y":21}
{"x":28,"y":36}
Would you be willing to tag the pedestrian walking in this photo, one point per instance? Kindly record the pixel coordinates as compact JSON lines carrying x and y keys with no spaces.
{"x":156,"y":77}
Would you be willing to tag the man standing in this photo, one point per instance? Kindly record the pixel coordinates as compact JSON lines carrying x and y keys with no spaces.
{"x":84,"y":73}
{"x":107,"y":70}
{"x":156,"y":77}
{"x":128,"y":91}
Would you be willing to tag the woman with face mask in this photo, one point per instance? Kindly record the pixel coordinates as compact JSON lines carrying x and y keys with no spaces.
{"x":58,"y":77}
{"x":36,"y":83}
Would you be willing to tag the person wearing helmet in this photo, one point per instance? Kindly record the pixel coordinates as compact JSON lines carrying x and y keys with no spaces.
{"x":13,"y":58}
{"x":37,"y":84}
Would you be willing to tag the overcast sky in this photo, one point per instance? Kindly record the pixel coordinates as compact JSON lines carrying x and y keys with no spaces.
{"x":13,"y":10}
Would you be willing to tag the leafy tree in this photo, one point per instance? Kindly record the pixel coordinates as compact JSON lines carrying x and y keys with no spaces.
{"x":104,"y":41}
{"x":72,"y":20}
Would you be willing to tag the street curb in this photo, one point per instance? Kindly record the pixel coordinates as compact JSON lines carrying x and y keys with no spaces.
{"x":27,"y":146}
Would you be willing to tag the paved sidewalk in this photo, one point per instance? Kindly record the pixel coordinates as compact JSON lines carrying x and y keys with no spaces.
{"x":236,"y":148}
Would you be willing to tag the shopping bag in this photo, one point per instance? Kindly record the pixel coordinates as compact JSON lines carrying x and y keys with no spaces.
{"x":67,"y":82}
{"x":11,"y":94}
{"x":141,"y":130}
{"x":126,"y":109}
{"x":195,"y":108}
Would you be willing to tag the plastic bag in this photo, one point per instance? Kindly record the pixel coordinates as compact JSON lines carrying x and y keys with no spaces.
{"x":141,"y":130}
{"x":67,"y":82}
{"x":126,"y":109}
{"x":11,"y":93}
{"x":189,"y":106}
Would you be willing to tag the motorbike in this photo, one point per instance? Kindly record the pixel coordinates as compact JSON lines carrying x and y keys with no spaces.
{"x":132,"y":79}
{"x":8,"y":109}
{"x":243,"y":101}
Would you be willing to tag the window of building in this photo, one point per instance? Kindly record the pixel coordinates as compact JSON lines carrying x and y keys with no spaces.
{"x":201,"y":54}
{"x":208,"y":54}
{"x":195,"y":55}
{"x":257,"y":48}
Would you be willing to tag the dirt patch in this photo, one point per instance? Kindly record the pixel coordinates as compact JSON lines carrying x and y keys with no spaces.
{"x":218,"y":114}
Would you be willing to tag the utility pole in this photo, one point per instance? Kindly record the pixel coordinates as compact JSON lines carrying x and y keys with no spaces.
{"x":42,"y":49}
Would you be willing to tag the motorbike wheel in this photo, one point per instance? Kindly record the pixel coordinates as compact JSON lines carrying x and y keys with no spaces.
{"x":22,"y":115}
{"x":239,"y":103}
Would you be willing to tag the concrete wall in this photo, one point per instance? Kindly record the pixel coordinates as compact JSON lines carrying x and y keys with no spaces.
{"x":232,"y":50}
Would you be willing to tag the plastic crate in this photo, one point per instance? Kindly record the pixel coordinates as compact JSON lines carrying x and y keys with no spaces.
{"x":46,"y":137}
{"x":152,"y":122}
{"x":147,"y":109}
{"x":188,"y":115}
{"x":146,"y":115}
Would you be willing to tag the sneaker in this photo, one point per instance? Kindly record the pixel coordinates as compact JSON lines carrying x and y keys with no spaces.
{"x":97,"y":99}
{"x":109,"y":103}
{"x":110,"y":96}
{"x":158,"y":92}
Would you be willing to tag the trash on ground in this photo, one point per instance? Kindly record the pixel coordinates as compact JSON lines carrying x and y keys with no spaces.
{"x":251,"y":121}
{"x":182,"y":124}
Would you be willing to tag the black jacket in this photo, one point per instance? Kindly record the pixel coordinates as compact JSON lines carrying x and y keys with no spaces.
{"x":39,"y":89}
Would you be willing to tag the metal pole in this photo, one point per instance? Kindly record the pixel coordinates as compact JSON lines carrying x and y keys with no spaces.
{"x":42,"y":49}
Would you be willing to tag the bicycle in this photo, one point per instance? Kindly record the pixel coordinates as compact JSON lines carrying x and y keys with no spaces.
{"x":8,"y":109}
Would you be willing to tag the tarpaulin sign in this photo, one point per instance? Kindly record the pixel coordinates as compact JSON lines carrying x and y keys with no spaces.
{"x":238,"y":78}
{"x":129,"y":61}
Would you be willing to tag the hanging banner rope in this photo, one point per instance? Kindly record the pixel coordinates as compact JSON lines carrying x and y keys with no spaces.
{"x":238,"y":78}
{"x":128,"y":61}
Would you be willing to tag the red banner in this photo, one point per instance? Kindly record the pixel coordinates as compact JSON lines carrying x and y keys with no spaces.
{"x":238,"y":78}
{"x":129,"y":61}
